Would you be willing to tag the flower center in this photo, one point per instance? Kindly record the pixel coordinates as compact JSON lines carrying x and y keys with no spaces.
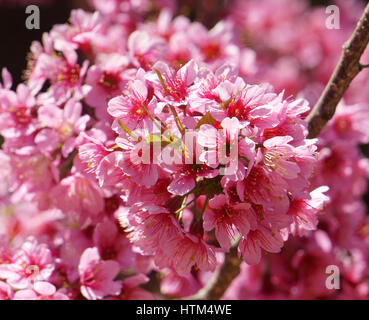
{"x":21,"y":115}
{"x":211,"y":51}
{"x":109,"y":80}
{"x":69,"y":74}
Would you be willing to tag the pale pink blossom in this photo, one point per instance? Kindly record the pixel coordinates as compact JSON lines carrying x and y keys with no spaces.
{"x":31,"y":263}
{"x":252,"y":245}
{"x":228,"y":220}
{"x":62,"y":127}
{"x":97,"y":276}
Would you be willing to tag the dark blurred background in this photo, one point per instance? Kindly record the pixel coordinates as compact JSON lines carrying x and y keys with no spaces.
{"x":15,"y":38}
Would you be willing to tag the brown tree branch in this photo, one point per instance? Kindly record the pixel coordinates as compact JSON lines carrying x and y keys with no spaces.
{"x":222,"y":278}
{"x":346,"y":70}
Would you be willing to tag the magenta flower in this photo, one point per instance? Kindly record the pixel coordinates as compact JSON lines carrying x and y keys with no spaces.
{"x":348,"y":124}
{"x":172,"y":86}
{"x":215,"y":46}
{"x":6,"y":292}
{"x":184,"y":177}
{"x":190,"y":251}
{"x":193,"y":140}
{"x":206,"y":97}
{"x":42,"y":290}
{"x":97,"y":276}
{"x":85,"y":200}
{"x":150,"y":227}
{"x":279,"y":156}
{"x":16,"y":117}
{"x":135,"y":107}
{"x":31,"y":263}
{"x":92,"y":153}
{"x":255,"y":241}
{"x":5,"y":251}
{"x":264,"y":189}
{"x":174,"y":285}
{"x":106,"y":80}
{"x":78,"y":35}
{"x":226,"y":148}
{"x":249,"y":103}
{"x":62,"y":127}
{"x":304,"y":211}
{"x":132,"y":291}
{"x":7,"y":79}
{"x":228,"y":220}
{"x":112,"y":245}
{"x":65,"y":76}
{"x":144,"y":50}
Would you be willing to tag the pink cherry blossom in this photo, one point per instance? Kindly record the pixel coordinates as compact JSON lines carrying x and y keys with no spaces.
{"x":226,"y":218}
{"x":253,"y":244}
{"x":172,"y":86}
{"x":78,"y":35}
{"x":135,"y":107}
{"x":85,"y":199}
{"x":65,"y":77}
{"x":16,"y":117}
{"x":304,"y":211}
{"x":32,"y":262}
{"x":62,"y":127}
{"x":143,"y":145}
{"x":145,"y":51}
{"x":106,"y":79}
{"x":42,"y":291}
{"x":190,"y":251}
{"x":97,"y":275}
{"x":6,"y":292}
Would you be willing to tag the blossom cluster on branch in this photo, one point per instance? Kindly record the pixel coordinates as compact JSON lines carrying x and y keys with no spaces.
{"x":143,"y":145}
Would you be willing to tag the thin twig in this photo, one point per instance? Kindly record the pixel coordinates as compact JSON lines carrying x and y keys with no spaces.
{"x":346,"y":70}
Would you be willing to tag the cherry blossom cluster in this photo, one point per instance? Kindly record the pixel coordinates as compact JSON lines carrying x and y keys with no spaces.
{"x":240,"y":146}
{"x":142,"y":147}
{"x":341,"y":240}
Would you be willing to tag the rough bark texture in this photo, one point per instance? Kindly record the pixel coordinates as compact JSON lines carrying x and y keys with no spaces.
{"x":229,"y":270}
